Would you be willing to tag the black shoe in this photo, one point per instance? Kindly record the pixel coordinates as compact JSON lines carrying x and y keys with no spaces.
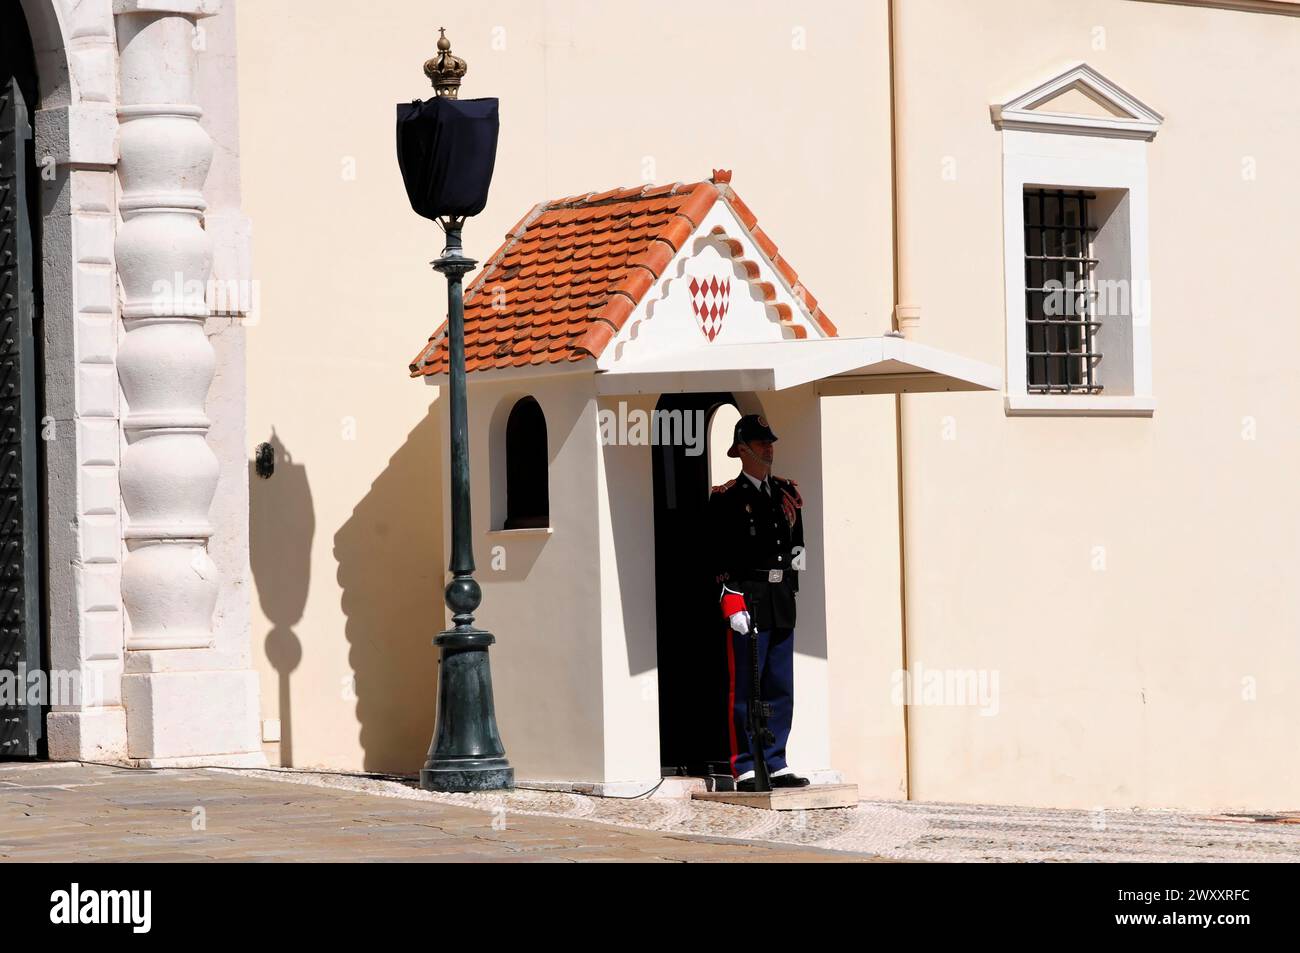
{"x":748,"y":784}
{"x":789,"y":781}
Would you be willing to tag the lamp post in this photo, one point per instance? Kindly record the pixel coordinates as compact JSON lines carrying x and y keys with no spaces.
{"x":447,"y":149}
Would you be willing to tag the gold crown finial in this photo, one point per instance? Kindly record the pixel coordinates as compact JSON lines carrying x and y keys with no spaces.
{"x":445,"y":70}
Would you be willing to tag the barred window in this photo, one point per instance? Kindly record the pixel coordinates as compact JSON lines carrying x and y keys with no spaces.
{"x":1060,"y":293}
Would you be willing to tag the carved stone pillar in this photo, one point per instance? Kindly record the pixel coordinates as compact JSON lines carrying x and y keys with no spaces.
{"x":186,"y":697}
{"x":165,"y":364}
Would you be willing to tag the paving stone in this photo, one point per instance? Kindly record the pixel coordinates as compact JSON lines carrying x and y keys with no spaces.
{"x":117,"y":814}
{"x":66,"y":812}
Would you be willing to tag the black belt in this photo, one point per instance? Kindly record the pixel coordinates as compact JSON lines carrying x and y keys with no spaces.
{"x":764,"y":575}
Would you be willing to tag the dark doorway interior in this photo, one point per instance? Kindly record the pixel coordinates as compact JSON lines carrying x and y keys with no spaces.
{"x":22,"y":723}
{"x":692,"y":650}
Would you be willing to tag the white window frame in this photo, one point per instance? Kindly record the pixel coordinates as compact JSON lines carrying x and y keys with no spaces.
{"x":1074,"y":152}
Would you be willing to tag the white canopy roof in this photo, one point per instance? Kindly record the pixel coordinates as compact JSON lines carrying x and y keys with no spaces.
{"x":876,"y":365}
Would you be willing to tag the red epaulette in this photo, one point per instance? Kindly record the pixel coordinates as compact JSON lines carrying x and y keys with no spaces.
{"x":723,"y":488}
{"x":791,"y":501}
{"x":792,"y":487}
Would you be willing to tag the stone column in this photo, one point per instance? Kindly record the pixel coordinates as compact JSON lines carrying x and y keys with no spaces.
{"x":165,"y":364}
{"x":184,"y":700}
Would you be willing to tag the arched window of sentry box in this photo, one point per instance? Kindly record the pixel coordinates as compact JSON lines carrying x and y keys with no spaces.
{"x":527,"y":487}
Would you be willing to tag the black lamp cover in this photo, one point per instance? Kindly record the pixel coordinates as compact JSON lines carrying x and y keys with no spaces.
{"x":447,"y":149}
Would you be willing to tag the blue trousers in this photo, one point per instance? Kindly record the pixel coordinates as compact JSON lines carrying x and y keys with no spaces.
{"x":776,"y":687}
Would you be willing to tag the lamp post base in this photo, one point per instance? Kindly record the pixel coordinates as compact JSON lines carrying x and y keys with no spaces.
{"x":461,"y":780}
{"x":466,"y":754}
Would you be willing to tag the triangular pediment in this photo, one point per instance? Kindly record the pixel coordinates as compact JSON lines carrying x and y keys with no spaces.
{"x":720,"y":289}
{"x":1080,"y":101}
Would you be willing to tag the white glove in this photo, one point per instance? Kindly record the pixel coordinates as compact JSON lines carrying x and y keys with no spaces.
{"x":740,"y":622}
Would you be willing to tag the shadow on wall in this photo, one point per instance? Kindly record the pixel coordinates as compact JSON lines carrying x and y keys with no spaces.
{"x":281,"y":524}
{"x":389,"y":555}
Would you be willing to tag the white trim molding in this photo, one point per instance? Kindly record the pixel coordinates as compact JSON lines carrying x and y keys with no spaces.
{"x":1286,"y":8}
{"x":1067,"y":151}
{"x":1129,"y":117}
{"x":1062,"y":405}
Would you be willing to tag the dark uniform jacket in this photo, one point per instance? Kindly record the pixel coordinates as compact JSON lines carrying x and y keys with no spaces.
{"x":751,"y":534}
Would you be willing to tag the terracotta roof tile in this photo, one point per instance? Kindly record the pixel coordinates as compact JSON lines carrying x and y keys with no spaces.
{"x":617,"y":310}
{"x":699,"y":203}
{"x":747,"y":218}
{"x":806,"y":296}
{"x":635,"y":283}
{"x":655,"y":190}
{"x":824,"y":322}
{"x":786,"y":271}
{"x":678,"y":230}
{"x":571,"y":272}
{"x":762,"y":241}
{"x":654,"y":258}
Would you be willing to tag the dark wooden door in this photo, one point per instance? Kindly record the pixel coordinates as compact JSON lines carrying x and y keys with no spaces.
{"x":21,"y":721}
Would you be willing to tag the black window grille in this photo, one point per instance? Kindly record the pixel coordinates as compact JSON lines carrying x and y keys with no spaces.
{"x":528,"y":503}
{"x":1060,"y":293}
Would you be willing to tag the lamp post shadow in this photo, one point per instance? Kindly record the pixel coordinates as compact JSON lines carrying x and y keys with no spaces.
{"x":390,"y":571}
{"x":281,"y":526}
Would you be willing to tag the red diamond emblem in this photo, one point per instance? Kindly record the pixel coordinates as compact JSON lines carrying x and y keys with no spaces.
{"x":709,"y":301}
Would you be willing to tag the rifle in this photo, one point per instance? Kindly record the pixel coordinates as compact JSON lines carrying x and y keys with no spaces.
{"x":760,"y":736}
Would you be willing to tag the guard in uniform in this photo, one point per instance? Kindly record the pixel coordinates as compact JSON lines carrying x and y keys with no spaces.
{"x":756,"y":532}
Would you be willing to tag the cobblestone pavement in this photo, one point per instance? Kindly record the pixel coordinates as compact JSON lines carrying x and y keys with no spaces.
{"x":89,"y":812}
{"x":76,"y":812}
{"x":908,"y":830}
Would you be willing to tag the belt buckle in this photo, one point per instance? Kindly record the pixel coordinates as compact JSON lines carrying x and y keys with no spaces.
{"x":775,"y":575}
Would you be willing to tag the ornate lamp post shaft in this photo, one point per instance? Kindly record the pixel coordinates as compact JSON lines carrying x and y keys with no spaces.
{"x":466,"y":753}
{"x":463,"y":594}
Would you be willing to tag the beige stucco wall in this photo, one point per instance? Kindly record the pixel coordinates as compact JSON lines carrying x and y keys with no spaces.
{"x":345,"y":538}
{"x":863,"y":603}
{"x":1129,"y":684}
{"x":541,"y":591}
{"x":1123,"y":685}
{"x":347,"y":559}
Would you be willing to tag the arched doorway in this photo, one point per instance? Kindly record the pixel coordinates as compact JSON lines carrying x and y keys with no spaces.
{"x":21,"y":588}
{"x":692,"y":658}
